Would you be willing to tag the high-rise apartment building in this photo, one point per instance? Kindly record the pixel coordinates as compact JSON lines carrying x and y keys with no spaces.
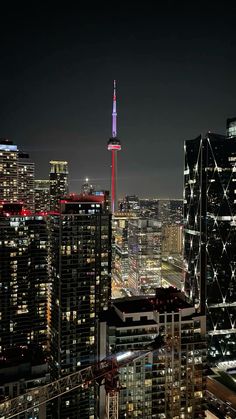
{"x":81,"y":278}
{"x":8,"y":171}
{"x":58,"y":182}
{"x":149,"y":208}
{"x":172,"y":239}
{"x":168,"y":211}
{"x":168,"y":383}
{"x":231,"y":127}
{"x":26,"y":181}
{"x":120,"y":272}
{"x":24,"y":278}
{"x":42,"y":195}
{"x":87,"y":187}
{"x":130,"y":203}
{"x":164,"y":210}
{"x":176,"y":211}
{"x":144,"y":247}
{"x":210,"y":237}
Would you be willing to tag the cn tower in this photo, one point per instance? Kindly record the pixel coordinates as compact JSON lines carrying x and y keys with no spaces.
{"x":113,"y":145}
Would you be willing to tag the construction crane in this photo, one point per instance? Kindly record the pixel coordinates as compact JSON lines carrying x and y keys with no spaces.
{"x":105,"y":370}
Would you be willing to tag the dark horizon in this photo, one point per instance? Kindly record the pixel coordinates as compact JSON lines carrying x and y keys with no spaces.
{"x":175,"y":71}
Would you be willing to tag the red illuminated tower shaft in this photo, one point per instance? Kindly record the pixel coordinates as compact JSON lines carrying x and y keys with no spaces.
{"x":114,"y":146}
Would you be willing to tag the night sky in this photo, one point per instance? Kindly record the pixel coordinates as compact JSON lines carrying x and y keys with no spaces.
{"x":175,"y":66}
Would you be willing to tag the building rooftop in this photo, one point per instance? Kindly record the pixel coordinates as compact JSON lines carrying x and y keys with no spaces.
{"x":229,"y":120}
{"x":112,"y":318}
{"x":74,"y":198}
{"x":8,"y":209}
{"x":6,"y":141}
{"x":166,"y":300}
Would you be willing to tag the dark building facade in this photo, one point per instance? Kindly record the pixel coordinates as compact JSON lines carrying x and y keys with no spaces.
{"x":210,"y":238}
{"x":58,"y":182}
{"x":81,"y":277}
{"x":42,"y":195}
{"x":21,"y":370}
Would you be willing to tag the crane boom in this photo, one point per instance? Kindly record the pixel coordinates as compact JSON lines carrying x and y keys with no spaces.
{"x":40,"y":395}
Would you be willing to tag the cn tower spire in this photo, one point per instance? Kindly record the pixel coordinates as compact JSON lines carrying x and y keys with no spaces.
{"x":114,"y":114}
{"x":114,"y":146}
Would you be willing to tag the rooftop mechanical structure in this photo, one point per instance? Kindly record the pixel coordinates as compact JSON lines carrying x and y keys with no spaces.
{"x":114,"y":146}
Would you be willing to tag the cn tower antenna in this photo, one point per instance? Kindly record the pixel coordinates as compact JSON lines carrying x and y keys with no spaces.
{"x":114,"y":113}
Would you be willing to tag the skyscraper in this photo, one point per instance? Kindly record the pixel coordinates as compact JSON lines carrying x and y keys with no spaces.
{"x":58,"y":182}
{"x":8,"y":171}
{"x":172,"y":239}
{"x":144,"y":249}
{"x":87,"y":187}
{"x":26,"y":181}
{"x":130,"y":203}
{"x":81,"y":277}
{"x":24,"y":278}
{"x":42,"y":195}
{"x":210,"y":237}
{"x":120,"y":270}
{"x":114,"y":146}
{"x":24,"y":303}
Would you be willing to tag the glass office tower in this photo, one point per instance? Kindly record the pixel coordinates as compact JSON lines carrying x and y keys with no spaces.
{"x":210,"y":238}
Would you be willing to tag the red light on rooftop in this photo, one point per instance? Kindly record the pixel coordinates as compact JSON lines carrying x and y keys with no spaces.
{"x":25,"y":212}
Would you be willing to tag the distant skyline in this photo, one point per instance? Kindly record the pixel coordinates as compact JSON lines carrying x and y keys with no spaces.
{"x":175,"y":67}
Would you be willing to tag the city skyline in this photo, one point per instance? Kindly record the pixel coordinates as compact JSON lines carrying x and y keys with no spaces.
{"x":118,"y":270}
{"x":175,"y":72}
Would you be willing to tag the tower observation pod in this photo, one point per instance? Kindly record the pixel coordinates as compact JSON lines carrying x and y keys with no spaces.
{"x":114,"y":146}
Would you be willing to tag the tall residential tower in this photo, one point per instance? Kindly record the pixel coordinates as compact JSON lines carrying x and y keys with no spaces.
{"x":26,"y":181}
{"x":114,"y":146}
{"x":24,"y":278}
{"x":8,"y":171}
{"x":81,"y":276}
